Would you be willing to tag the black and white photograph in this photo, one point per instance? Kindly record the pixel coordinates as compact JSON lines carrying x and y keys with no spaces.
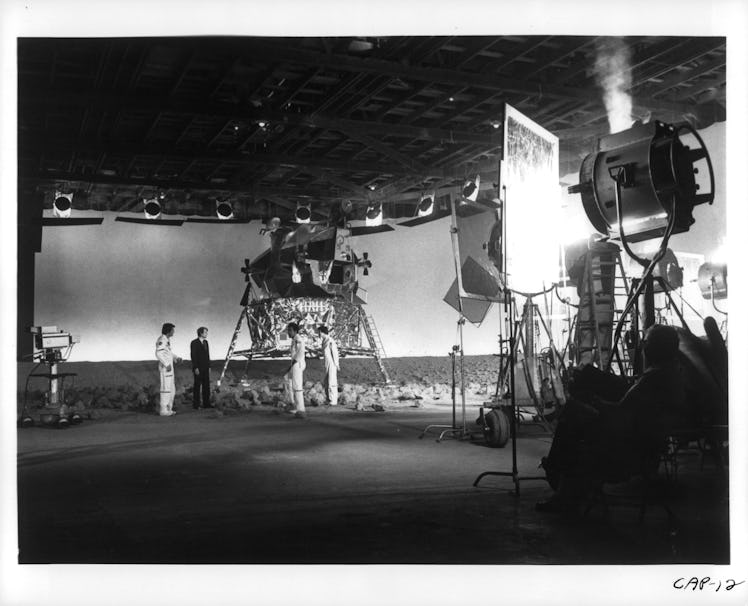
{"x":348,"y":303}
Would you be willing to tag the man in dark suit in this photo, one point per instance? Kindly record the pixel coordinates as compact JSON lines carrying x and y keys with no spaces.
{"x":200,"y":354}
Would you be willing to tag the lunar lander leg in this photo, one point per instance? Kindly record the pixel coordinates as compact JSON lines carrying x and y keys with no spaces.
{"x":266,"y":320}
{"x":375,"y":342}
{"x":244,"y":316}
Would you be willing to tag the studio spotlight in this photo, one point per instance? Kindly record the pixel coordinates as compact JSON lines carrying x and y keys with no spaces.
{"x":62,"y":207}
{"x":346,"y":207}
{"x":303,"y":212}
{"x":426,"y":205}
{"x":152,"y":208}
{"x":470,"y":190}
{"x":640,"y":178}
{"x":712,"y":280}
{"x":224,"y":210}
{"x":669,"y":272}
{"x":374,"y":214}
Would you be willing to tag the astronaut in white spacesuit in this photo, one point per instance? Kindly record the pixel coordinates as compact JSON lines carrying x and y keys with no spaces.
{"x":332,"y":365}
{"x":166,"y":361}
{"x":294,"y":378}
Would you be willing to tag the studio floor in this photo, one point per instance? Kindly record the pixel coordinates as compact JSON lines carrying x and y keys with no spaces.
{"x":341,"y":486}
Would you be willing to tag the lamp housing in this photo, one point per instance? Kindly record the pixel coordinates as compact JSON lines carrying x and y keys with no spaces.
{"x":425,"y":205}
{"x":374,"y":214}
{"x":62,"y":205}
{"x":224,"y":210}
{"x":303,"y":212}
{"x":151,"y":208}
{"x":652,"y":172}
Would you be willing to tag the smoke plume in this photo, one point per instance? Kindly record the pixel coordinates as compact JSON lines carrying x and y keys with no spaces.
{"x":613,"y":74}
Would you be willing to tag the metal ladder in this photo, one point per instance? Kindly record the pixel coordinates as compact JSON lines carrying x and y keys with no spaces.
{"x":604,"y":283}
{"x":375,"y":342}
{"x":622,"y":291}
{"x":234,"y":338}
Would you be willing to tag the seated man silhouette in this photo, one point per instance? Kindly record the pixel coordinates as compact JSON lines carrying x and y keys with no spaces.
{"x":609,"y":432}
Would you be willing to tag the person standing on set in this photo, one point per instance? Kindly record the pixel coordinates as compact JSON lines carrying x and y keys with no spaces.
{"x":166,"y":361}
{"x":200,"y":354}
{"x":332,"y":365}
{"x":294,"y":378}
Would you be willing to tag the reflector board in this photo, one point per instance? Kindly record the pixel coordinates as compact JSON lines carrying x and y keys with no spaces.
{"x":477,"y":250}
{"x":532,"y":196}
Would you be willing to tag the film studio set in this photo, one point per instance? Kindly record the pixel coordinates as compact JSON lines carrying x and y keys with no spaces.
{"x":465,"y":298}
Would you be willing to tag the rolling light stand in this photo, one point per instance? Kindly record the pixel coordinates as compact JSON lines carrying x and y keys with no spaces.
{"x":459,"y":432}
{"x":513,"y":330}
{"x":509,"y":308}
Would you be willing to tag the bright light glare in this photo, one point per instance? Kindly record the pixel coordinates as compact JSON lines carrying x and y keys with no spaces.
{"x":534,"y":236}
{"x":533,"y":204}
{"x":719,"y":255}
{"x":628,"y":223}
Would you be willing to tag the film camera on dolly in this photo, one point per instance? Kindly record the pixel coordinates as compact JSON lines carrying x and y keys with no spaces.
{"x":51,"y":347}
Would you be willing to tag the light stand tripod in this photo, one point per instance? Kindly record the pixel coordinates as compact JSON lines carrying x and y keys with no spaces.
{"x":454,"y":430}
{"x":513,"y":329}
{"x":514,"y":338}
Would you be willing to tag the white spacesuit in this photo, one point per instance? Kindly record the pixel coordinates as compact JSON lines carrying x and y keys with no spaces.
{"x":332,"y":366}
{"x":294,"y":378}
{"x":166,"y":361}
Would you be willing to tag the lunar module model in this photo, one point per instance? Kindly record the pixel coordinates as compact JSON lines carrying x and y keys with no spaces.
{"x":308,"y":276}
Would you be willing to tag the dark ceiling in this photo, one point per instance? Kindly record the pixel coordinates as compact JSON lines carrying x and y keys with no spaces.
{"x":270,"y":122}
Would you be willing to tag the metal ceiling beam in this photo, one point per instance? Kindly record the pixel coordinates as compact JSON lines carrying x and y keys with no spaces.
{"x":387,"y":151}
{"x":362,"y":192}
{"x":96,"y":147}
{"x":113,"y":101}
{"x":146,"y":183}
{"x":445,"y":76}
{"x":688,"y":75}
{"x":456,"y":171}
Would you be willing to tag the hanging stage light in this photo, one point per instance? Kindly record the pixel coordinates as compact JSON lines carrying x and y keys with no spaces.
{"x":373,"y":221}
{"x":303,"y":212}
{"x":712,"y":280}
{"x":374,"y":214}
{"x":62,"y":206}
{"x":647,"y":173}
{"x":426,"y":205}
{"x":224,"y":210}
{"x":152,"y":213}
{"x":62,"y":211}
{"x":151,"y":209}
{"x":470,"y":190}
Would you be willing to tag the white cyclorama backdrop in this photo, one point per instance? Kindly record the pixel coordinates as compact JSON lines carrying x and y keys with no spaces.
{"x":113,"y":285}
